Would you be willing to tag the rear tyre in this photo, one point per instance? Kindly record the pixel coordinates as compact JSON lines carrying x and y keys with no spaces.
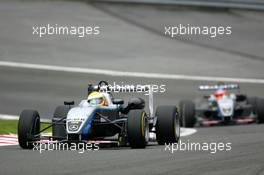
{"x":260,"y":110}
{"x":168,"y":125}
{"x":28,"y":127}
{"x":59,"y":129}
{"x":187,"y":113}
{"x":137,"y":129}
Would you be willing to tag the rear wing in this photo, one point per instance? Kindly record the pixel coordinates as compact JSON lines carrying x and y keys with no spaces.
{"x":126,"y":89}
{"x":215,"y":87}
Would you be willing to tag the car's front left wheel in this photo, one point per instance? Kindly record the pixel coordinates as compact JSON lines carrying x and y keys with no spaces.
{"x":260,"y":110}
{"x":137,"y":129}
{"x":168,"y":125}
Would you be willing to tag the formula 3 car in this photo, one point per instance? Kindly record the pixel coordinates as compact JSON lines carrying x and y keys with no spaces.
{"x":102,"y":118}
{"x":221,"y":108}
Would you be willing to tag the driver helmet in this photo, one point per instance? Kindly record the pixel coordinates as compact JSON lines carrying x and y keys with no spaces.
{"x":220,"y":93}
{"x":97,"y":99}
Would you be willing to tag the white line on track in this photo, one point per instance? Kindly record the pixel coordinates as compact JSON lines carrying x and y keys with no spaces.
{"x":187,"y":131}
{"x":128,"y":74}
{"x":8,"y":117}
{"x":184,"y":132}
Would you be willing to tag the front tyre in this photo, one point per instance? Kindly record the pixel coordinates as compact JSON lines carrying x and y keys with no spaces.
{"x":260,"y":110}
{"x":59,"y":129}
{"x":253,"y":102}
{"x":187,"y":113}
{"x":168,"y":125}
{"x":137,"y":129}
{"x":28,"y":128}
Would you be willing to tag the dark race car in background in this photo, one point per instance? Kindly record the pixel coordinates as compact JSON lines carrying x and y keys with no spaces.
{"x":221,"y":107}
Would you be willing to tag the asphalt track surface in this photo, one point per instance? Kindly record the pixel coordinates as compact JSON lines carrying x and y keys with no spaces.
{"x":127,"y":46}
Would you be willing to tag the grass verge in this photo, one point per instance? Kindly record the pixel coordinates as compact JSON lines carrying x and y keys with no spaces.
{"x":10,"y":126}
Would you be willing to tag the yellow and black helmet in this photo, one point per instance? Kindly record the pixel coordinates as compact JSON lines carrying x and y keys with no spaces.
{"x":97,"y":99}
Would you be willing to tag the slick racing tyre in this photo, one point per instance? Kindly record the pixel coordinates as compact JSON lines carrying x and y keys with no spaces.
{"x":168,"y":125}
{"x":59,"y":128}
{"x":187,"y":113}
{"x":137,"y":129}
{"x":253,"y":102}
{"x":260,"y":110}
{"x":28,"y":127}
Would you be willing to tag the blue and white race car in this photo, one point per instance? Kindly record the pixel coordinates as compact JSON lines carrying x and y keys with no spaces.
{"x":221,"y":108}
{"x":103,"y":119}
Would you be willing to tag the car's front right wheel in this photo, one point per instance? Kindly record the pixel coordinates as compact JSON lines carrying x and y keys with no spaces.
{"x":28,"y":128}
{"x":59,"y":130}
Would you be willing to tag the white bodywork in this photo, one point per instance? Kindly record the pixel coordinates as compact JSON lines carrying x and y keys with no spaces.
{"x":226,"y":106}
{"x":78,"y":116}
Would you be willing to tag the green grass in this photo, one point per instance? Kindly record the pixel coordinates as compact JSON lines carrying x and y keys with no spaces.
{"x":10,"y":126}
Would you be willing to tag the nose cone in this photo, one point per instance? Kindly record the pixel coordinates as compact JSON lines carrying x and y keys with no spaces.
{"x":226,"y":107}
{"x":78,"y":118}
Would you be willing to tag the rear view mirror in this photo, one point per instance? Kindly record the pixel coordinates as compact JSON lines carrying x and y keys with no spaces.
{"x":136,"y":103}
{"x":206,"y":96}
{"x":68,"y":102}
{"x":241,"y":97}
